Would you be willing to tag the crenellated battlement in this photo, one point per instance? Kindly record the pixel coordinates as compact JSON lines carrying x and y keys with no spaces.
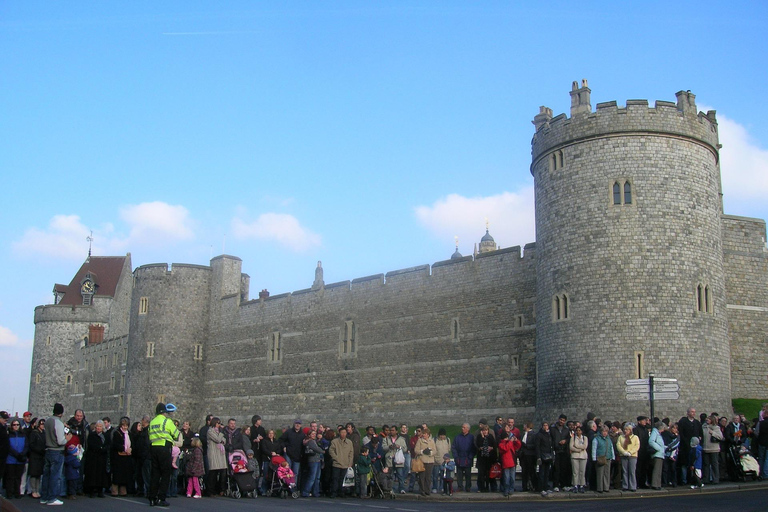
{"x":417,"y":275}
{"x":665,"y":118}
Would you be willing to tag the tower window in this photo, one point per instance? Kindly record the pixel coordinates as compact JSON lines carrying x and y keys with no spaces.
{"x":621,"y":192}
{"x":455,"y":330}
{"x":198,"y":352}
{"x":556,"y":160}
{"x":639,"y":364}
{"x":143,"y":305}
{"x":37,"y":378}
{"x":48,"y":340}
{"x":560,"y":307}
{"x":704,"y":298}
{"x":69,"y":380}
{"x":112,"y":383}
{"x":519,"y":321}
{"x":150,"y":349}
{"x":349,"y":342}
{"x":275,"y":348}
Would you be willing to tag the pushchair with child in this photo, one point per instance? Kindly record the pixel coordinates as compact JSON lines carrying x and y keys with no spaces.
{"x":381,"y":483}
{"x":277,"y":486}
{"x":240,"y":480}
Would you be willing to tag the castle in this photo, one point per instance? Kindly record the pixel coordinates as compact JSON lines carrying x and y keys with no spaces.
{"x":635,"y":269}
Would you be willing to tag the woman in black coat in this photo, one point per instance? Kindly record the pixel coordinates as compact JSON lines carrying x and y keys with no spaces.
{"x":122,"y":461}
{"x":545,"y":451}
{"x":485,"y":445}
{"x":36,"y":456}
{"x":96,"y":477}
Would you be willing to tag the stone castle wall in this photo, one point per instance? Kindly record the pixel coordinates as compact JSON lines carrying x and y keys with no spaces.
{"x":746,"y":263}
{"x":409,"y":363}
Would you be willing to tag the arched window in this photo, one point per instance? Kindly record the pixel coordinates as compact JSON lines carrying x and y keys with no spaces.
{"x":616,"y":193}
{"x":627,"y":193}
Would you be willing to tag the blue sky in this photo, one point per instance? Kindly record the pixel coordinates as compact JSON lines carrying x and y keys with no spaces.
{"x":364,"y":134}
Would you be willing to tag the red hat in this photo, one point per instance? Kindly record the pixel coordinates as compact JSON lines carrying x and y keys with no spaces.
{"x":27,"y":414}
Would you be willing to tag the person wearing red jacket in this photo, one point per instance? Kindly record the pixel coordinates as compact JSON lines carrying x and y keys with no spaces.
{"x":508,"y":447}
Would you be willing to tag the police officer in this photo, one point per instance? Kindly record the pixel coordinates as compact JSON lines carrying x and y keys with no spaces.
{"x":162,"y":434}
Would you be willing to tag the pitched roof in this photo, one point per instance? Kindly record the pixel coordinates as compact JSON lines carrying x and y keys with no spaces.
{"x":105,"y":271}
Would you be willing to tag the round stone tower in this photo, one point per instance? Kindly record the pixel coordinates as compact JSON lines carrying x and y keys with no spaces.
{"x":629,"y":261}
{"x":169,"y":328}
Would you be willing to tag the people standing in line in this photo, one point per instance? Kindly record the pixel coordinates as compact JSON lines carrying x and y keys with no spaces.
{"x":342,"y":455}
{"x":425,"y":449}
{"x":688,"y":427}
{"x":162,"y":435}
{"x":95,"y":475}
{"x":16,"y":460}
{"x":578,"y":449}
{"x":55,"y":440}
{"x":710,"y":445}
{"x":36,"y":457}
{"x":121,"y":449}
{"x":545,"y":452}
{"x":217,"y":459}
{"x":509,"y":446}
{"x":656,"y":449}
{"x":627,"y":447}
{"x":463,"y":452}
{"x":603,"y":456}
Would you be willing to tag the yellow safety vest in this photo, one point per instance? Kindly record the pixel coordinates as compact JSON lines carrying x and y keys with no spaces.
{"x":162,"y":431}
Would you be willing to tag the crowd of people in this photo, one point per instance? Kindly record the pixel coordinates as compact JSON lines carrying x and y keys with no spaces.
{"x":48,"y":459}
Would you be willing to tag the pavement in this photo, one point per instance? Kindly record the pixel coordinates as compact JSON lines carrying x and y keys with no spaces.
{"x":520,"y":496}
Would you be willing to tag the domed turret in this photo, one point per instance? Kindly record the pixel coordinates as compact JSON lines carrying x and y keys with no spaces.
{"x":487,"y":243}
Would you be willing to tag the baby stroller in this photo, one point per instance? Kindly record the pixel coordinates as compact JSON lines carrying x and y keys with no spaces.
{"x":381,"y":484}
{"x":240,"y":481}
{"x":277,"y":486}
{"x":744,"y":462}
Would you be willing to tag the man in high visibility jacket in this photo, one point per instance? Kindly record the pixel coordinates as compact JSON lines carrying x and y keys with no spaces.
{"x":162,"y":434}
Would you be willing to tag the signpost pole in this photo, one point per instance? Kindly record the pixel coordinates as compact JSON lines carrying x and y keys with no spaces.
{"x":650,"y":394}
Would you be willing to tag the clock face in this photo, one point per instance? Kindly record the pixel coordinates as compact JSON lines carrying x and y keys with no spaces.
{"x":87,"y":287}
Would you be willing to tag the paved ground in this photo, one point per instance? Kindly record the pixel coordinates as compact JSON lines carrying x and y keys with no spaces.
{"x":746,"y":497}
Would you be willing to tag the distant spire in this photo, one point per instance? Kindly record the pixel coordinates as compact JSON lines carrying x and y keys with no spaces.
{"x":89,"y":239}
{"x":456,"y":254}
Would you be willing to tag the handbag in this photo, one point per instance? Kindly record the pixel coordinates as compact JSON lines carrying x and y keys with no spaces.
{"x":602,"y":460}
{"x":349,"y":478}
{"x":416,"y":465}
{"x":399,"y":458}
{"x":495,"y":471}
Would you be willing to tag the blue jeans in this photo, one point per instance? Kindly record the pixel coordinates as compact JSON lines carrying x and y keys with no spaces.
{"x":402,"y":476}
{"x":508,"y":481}
{"x":312,"y":485}
{"x":437,"y":477}
{"x":50,"y":486}
{"x":763,"y":454}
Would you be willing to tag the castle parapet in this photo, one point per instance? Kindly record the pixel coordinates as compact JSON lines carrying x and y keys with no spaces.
{"x":677,"y":119}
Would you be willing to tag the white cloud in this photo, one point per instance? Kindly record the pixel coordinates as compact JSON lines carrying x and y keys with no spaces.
{"x":7,"y":337}
{"x":156,"y":222}
{"x":63,"y":238}
{"x":743,"y":165}
{"x":283,"y":228}
{"x":510,"y":217}
{"x":147,"y":224}
{"x":743,"y":168}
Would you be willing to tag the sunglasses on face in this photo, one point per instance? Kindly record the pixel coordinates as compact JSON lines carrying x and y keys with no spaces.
{"x":15,"y":424}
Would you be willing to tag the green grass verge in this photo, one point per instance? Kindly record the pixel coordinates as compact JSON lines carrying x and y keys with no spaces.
{"x":749,"y":407}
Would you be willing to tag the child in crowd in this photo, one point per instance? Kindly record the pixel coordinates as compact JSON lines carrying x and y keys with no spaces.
{"x":363,"y":472}
{"x":72,"y":470}
{"x":695,"y":459}
{"x":448,"y":469}
{"x":252,"y":464}
{"x":285,"y":474}
{"x":195,"y":468}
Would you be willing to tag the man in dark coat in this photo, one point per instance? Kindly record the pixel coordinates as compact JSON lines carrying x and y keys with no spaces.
{"x":643,"y":456}
{"x":561,"y":437}
{"x":292,"y":446}
{"x":689,"y":427}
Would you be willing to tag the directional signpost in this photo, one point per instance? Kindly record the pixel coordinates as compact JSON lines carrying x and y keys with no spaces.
{"x":651,"y":389}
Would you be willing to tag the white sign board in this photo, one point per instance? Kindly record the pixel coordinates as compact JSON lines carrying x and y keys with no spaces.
{"x":638,"y":396}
